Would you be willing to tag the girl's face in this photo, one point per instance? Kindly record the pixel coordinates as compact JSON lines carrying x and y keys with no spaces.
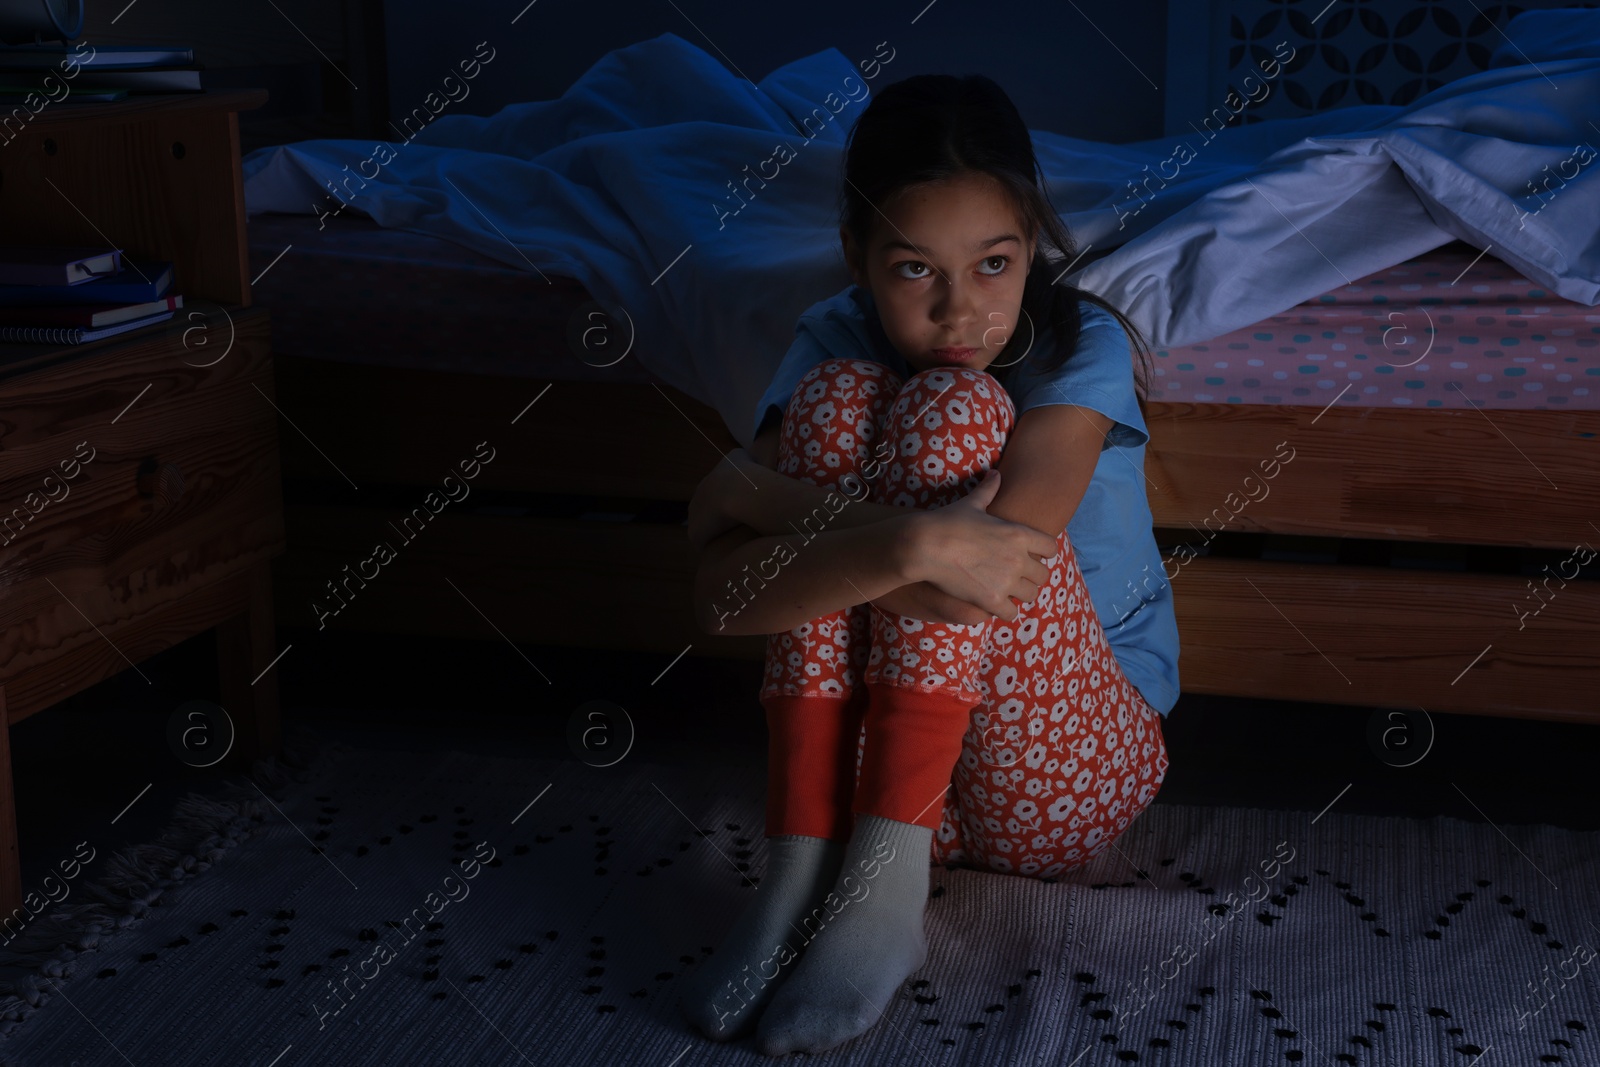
{"x":946,"y":267}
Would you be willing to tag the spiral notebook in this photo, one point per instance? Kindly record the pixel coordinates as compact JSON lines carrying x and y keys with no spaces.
{"x":74,"y":335}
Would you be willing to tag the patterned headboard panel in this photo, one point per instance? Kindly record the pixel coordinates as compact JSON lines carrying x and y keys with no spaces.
{"x":1345,"y":52}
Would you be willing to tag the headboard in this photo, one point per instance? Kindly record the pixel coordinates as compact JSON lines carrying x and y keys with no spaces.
{"x":1345,"y":52}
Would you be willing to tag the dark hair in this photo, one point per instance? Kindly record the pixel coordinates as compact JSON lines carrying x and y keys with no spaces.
{"x":934,"y":126}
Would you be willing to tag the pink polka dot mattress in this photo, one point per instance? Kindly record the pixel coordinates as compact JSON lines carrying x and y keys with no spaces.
{"x":1449,"y":329}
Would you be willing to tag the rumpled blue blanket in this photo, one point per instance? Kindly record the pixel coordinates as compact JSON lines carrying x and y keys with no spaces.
{"x":703,"y":205}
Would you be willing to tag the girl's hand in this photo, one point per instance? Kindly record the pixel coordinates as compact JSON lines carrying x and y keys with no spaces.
{"x":923,"y":600}
{"x":708,"y":515}
{"x":977,"y":557}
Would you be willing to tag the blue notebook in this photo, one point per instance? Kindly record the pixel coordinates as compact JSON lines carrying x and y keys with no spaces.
{"x":74,"y":335}
{"x":128,"y":286}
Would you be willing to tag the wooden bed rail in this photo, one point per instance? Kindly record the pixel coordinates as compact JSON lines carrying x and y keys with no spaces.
{"x":1347,"y":634}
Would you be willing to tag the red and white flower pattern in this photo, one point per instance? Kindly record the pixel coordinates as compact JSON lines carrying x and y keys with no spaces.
{"x":1062,"y":752}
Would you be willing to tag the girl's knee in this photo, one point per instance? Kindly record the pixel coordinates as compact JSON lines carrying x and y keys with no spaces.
{"x":830,"y":424}
{"x":962,"y":374}
{"x":982,"y":385}
{"x":840,"y":378}
{"x":962,"y":395}
{"x":948,"y":426}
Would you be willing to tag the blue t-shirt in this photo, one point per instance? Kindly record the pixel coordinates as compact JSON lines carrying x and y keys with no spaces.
{"x":1111,"y":531}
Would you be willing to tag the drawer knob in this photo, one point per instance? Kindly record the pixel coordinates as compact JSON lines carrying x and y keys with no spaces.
{"x":159,"y":481}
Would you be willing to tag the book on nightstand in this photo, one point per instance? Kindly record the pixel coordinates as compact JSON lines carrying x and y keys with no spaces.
{"x":74,"y":335}
{"x":101,"y":57}
{"x":102,"y":304}
{"x":30,"y":96}
{"x":83,"y":74}
{"x":56,"y":265}
{"x":131,"y":285}
{"x":88,"y":316}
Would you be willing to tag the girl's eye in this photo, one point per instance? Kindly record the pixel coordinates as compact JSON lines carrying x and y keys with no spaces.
{"x":998,"y":262}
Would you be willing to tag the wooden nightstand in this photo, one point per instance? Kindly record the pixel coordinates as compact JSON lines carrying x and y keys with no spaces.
{"x":139,"y":490}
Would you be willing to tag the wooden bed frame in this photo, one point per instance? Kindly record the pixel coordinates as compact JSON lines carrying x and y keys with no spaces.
{"x":588,"y":546}
{"x":1368,"y":487}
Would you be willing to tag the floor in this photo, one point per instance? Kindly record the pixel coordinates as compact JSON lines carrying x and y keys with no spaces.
{"x":82,"y":768}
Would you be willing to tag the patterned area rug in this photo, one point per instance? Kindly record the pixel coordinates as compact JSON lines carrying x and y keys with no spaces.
{"x":443,"y":908}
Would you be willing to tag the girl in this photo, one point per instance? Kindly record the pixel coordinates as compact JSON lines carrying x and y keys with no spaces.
{"x":932,"y":618}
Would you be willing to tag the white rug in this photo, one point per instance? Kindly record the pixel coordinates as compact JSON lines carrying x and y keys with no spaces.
{"x":1373,"y":941}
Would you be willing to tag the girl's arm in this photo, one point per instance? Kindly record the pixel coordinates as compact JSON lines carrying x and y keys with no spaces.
{"x":1048,"y":463}
{"x":780,"y":504}
{"x":749,"y":584}
{"x":772,"y":503}
{"x":745,"y":489}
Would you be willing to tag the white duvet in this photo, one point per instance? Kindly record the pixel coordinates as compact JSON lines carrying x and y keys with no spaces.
{"x":699,"y":207}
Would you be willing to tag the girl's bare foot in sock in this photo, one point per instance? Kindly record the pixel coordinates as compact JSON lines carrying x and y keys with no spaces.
{"x":726,"y":995}
{"x":853,"y":968}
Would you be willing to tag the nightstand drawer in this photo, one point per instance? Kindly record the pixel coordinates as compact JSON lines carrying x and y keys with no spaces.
{"x":131,"y":475}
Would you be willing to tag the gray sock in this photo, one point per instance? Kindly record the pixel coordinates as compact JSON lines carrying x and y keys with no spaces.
{"x":725,"y":996}
{"x":867,"y":947}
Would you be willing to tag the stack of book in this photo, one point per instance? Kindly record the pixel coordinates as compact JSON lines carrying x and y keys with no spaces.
{"x":92,"y":74}
{"x":66,"y":295}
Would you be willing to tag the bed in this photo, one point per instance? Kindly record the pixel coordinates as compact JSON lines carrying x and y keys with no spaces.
{"x":1371,"y":444}
{"x":1417,"y":545}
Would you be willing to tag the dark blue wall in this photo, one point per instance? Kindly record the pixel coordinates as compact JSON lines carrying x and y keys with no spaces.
{"x":1098,"y":80}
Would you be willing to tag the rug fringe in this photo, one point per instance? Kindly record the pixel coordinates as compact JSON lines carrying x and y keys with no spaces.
{"x":200,"y":832}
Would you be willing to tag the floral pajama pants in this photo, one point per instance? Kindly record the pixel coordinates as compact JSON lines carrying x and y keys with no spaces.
{"x":1061,"y":752}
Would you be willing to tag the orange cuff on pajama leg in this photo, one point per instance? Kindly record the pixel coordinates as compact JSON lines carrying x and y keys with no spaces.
{"x":811,"y":763}
{"x":912,"y":744}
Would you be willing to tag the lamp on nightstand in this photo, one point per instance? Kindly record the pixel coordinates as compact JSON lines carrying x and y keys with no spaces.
{"x":30,"y":21}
